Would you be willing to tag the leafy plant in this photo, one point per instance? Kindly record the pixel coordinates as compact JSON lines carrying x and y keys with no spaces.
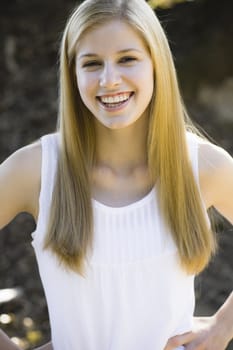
{"x":164,"y":3}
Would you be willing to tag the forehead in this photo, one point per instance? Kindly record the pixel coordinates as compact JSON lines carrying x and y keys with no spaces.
{"x":114,"y":35}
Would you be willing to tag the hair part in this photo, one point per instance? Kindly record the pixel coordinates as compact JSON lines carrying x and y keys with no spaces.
{"x":70,"y":228}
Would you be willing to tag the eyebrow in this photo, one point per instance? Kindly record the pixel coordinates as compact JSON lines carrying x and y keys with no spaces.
{"x":118,"y":52}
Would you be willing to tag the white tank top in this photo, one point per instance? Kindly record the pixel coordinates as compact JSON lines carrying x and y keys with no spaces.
{"x":135,"y":295}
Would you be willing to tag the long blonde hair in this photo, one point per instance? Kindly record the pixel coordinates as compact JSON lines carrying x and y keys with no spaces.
{"x":70,"y":228}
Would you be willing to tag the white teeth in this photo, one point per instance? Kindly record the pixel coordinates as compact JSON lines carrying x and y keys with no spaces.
{"x":115,"y":99}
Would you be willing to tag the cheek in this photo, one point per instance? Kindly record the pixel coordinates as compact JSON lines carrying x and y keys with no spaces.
{"x":148,"y":74}
{"x":149,"y":80}
{"x":81,"y":83}
{"x":143,"y":76}
{"x":145,"y":82}
{"x":86,"y":85}
{"x":87,"y":91}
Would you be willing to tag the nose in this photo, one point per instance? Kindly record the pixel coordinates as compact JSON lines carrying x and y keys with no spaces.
{"x":110,"y":76}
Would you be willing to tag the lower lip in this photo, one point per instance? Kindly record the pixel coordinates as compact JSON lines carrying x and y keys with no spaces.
{"x":117,"y":107}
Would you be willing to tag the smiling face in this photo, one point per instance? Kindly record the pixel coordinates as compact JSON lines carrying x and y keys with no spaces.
{"x":114,"y":74}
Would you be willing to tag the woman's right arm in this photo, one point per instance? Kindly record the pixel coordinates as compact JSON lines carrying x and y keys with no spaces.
{"x":19,"y":192}
{"x":7,"y":343}
{"x":47,"y":346}
{"x":20,"y":183}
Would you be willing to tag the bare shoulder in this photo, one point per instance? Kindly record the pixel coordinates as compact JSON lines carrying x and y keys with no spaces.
{"x":20,"y":183}
{"x":25,"y":158}
{"x":214,"y":161}
{"x":216,"y":177}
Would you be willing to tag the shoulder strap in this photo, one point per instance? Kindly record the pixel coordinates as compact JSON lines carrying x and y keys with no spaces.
{"x":193,"y":142}
{"x":49,"y":144}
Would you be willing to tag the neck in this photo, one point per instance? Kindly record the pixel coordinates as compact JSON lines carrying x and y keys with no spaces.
{"x":122,"y":150}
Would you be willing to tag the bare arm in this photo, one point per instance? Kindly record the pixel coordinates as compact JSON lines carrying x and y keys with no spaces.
{"x":7,"y":344}
{"x":216,"y":182}
{"x":20,"y":183}
{"x":47,"y":346}
{"x":19,"y":192}
{"x":224,"y":318}
{"x":216,"y":179}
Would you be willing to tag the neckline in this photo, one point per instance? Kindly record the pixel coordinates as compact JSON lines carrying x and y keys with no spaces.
{"x":137,"y":203}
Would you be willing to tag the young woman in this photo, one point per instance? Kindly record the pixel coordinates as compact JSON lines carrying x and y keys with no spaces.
{"x":120,"y":192}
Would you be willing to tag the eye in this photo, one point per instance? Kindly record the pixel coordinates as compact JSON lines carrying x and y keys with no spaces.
{"x":128,"y":59}
{"x":91,"y":64}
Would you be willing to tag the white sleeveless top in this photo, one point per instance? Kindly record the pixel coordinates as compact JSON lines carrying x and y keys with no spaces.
{"x":135,"y":296}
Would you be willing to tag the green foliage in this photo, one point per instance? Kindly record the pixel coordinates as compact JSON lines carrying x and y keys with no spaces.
{"x":164,"y":3}
{"x":160,"y":3}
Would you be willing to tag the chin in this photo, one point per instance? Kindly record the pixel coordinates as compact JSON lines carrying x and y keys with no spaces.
{"x":118,"y":124}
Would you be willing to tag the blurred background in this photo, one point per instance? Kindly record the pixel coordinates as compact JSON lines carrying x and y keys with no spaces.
{"x":200,"y":33}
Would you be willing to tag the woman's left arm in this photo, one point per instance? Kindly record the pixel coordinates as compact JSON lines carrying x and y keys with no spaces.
{"x":216,"y":182}
{"x":209,"y":333}
{"x":216,"y":178}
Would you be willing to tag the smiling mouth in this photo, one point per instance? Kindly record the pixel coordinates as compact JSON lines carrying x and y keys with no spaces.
{"x":115,"y":101}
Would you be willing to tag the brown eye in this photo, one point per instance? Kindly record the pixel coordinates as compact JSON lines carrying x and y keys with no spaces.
{"x":91,"y":64}
{"x":128,"y":59}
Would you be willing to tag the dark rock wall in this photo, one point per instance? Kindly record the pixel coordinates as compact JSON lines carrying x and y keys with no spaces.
{"x":200,"y":34}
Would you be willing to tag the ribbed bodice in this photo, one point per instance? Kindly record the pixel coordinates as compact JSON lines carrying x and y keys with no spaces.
{"x":135,"y":294}
{"x":130,"y":233}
